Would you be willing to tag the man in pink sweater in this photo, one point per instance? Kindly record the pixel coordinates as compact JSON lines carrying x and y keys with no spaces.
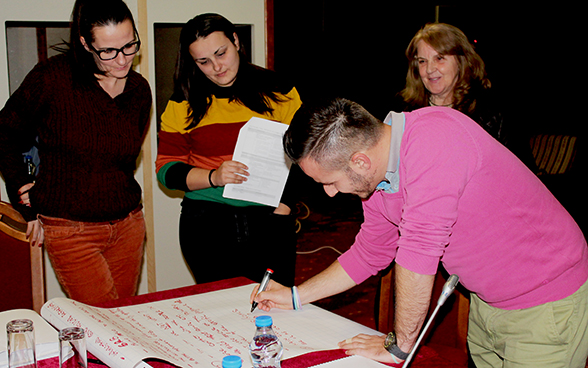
{"x":438,"y":188}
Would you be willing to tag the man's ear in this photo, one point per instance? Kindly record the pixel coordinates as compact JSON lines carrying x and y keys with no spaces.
{"x":360,"y":162}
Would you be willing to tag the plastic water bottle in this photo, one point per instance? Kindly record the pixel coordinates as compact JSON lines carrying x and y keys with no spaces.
{"x":232,"y":361}
{"x":265,"y":348}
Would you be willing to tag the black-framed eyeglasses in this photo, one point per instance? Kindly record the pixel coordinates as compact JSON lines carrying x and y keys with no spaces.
{"x":129,"y":49}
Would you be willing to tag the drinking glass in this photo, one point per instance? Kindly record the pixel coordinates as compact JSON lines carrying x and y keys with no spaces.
{"x":72,"y":348}
{"x":20,"y":337}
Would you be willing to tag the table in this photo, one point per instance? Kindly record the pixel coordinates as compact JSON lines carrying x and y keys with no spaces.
{"x":425,"y":357}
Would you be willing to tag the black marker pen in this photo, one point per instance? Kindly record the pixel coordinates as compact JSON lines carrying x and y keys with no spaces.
{"x":263,"y":285}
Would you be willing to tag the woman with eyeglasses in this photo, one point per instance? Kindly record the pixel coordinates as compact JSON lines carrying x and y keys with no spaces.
{"x":216,"y":92}
{"x":90,"y":112}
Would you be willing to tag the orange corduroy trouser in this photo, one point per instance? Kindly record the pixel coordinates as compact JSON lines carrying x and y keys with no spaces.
{"x":96,"y":262}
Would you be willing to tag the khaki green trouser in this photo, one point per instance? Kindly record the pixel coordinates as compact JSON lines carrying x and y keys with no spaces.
{"x":550,"y":335}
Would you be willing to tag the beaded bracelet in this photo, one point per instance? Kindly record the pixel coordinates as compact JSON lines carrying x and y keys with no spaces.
{"x":210,"y":178}
{"x":295,"y":298}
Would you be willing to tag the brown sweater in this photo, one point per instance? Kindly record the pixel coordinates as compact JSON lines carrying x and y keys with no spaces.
{"x":88,"y":143}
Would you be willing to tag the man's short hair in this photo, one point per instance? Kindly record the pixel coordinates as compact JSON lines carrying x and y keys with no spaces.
{"x":331,"y":133}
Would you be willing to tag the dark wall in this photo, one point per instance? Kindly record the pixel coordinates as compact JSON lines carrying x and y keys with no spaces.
{"x":341,"y":50}
{"x":357,"y":51}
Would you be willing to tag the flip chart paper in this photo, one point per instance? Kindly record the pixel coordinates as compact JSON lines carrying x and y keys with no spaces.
{"x":198,"y":330}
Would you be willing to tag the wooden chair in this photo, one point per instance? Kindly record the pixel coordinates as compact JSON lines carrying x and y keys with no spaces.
{"x":448,"y":332}
{"x":561,"y":164}
{"x":554,"y":154}
{"x":22,"y":281}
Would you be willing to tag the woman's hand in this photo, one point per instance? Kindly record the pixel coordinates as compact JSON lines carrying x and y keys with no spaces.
{"x":274,"y":296}
{"x":35,"y":233}
{"x":230,"y":172}
{"x":369,"y":346}
{"x":23,"y":192}
{"x":282,"y":209}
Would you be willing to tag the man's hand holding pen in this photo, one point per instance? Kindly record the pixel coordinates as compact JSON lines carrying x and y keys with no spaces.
{"x":266,"y":279}
{"x":274,"y":296}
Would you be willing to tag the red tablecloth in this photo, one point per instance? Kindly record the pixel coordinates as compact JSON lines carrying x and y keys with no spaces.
{"x":425,"y":357}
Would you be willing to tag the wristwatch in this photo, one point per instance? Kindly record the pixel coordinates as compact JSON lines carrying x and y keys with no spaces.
{"x":390,"y":345}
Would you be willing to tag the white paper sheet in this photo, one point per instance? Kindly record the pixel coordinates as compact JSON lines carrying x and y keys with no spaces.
{"x":198,"y":330}
{"x":259,"y":146}
{"x":353,"y":361}
{"x":46,"y":338}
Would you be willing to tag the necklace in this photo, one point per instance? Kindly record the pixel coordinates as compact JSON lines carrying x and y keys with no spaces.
{"x":434,"y":104}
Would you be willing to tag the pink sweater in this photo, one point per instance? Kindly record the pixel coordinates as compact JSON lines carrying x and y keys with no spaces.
{"x":468,"y":202}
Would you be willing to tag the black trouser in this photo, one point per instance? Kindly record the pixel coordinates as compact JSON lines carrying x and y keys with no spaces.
{"x":219,"y":241}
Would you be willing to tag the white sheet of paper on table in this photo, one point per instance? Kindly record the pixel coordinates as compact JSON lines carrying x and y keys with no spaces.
{"x":259,"y":146}
{"x":353,"y":361}
{"x":199,"y":328}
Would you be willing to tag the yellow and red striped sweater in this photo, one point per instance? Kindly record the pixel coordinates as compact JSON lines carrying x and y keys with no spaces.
{"x":213,"y":140}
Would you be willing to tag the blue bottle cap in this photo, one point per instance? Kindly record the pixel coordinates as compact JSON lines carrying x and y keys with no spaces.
{"x":232,"y":361}
{"x":263,"y":321}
